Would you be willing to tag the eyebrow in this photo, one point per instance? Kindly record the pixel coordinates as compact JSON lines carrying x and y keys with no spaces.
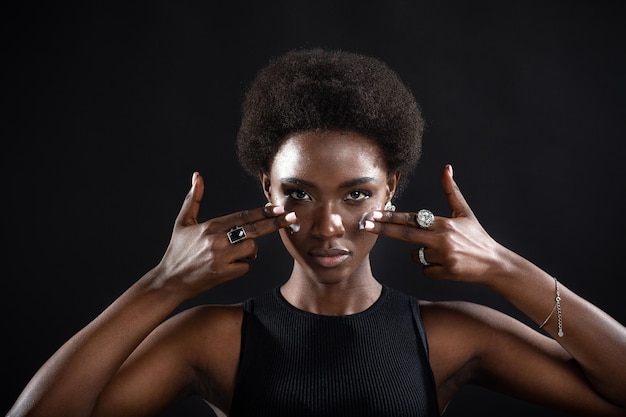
{"x":345,"y":184}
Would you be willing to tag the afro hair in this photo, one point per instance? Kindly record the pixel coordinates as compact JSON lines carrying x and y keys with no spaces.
{"x":317,"y":89}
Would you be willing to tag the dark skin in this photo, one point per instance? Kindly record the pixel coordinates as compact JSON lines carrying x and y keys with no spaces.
{"x":130,"y":362}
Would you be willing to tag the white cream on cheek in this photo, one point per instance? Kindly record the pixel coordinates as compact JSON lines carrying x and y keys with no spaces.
{"x":368,"y":215}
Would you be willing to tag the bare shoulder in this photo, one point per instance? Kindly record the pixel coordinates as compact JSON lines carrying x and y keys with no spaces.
{"x":204,"y":321}
{"x":470,"y":329}
{"x":209,"y":330}
{"x":212,"y":317}
{"x":469,"y":342}
{"x":458,"y":308}
{"x":466,"y":317}
{"x":455,"y":331}
{"x":209,"y":336}
{"x":193,"y":352}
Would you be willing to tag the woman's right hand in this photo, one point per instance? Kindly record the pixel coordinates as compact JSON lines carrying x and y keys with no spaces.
{"x":200,"y":255}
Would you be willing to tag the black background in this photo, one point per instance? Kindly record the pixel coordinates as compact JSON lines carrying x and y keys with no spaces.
{"x":109,"y":107}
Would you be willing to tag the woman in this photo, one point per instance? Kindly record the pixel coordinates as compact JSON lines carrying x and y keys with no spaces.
{"x":332,"y":137}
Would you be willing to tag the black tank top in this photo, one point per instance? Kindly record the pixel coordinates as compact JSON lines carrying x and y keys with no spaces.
{"x":296,"y":364}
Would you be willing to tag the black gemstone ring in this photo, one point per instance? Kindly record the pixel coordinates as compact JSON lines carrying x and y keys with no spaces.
{"x":236,"y":234}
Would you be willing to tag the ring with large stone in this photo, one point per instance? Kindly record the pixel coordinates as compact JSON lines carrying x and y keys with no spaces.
{"x":423,"y":260}
{"x":236,"y":234}
{"x":425,"y":218}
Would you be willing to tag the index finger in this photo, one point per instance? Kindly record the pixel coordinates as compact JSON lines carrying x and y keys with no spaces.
{"x":398,"y":225}
{"x":256,"y":222}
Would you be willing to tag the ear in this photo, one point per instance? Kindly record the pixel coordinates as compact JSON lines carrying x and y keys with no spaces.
{"x":392,"y":184}
{"x":264,"y":178}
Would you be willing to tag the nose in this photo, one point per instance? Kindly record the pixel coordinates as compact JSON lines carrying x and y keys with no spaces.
{"x":327,"y":222}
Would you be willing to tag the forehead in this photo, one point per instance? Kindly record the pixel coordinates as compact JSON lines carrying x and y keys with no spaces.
{"x":329,"y":153}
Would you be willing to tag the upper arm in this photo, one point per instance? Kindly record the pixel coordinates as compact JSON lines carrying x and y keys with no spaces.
{"x":473,"y":344}
{"x":193,"y":352}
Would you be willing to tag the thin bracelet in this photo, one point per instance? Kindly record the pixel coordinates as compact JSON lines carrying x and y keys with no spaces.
{"x":557,"y":307}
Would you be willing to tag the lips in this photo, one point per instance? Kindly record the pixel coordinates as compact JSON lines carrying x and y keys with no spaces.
{"x":329,"y":258}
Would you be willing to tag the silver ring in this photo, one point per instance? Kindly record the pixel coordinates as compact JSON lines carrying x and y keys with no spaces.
{"x":236,"y":234}
{"x":424,"y":218}
{"x":423,"y":260}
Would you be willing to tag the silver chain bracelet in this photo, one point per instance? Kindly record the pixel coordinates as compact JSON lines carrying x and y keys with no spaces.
{"x":557,"y":307}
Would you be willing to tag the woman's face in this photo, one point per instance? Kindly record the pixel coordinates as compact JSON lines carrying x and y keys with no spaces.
{"x":330,"y":179}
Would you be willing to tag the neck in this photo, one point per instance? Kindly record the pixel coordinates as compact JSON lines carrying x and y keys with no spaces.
{"x":341,"y":297}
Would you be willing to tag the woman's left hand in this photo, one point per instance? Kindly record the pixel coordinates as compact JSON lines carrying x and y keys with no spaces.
{"x":455,"y":248}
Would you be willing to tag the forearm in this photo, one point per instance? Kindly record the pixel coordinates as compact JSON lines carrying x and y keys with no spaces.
{"x":595,"y":340}
{"x":69,"y":383}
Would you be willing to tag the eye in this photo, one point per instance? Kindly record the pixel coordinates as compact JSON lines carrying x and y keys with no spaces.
{"x":358,"y":195}
{"x":298,"y":195}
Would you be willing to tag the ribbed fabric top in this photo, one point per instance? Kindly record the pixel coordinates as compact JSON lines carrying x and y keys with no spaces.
{"x":295,"y":364}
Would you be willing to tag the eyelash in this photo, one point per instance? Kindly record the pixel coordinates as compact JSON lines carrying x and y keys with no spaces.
{"x":363,"y":195}
{"x":291,"y":194}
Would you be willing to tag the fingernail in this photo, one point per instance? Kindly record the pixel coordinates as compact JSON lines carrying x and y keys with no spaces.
{"x":278,"y":209}
{"x":450,"y":169}
{"x":369,"y":225}
{"x":377,"y":215}
{"x":291,"y":216}
{"x":295,"y":227}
